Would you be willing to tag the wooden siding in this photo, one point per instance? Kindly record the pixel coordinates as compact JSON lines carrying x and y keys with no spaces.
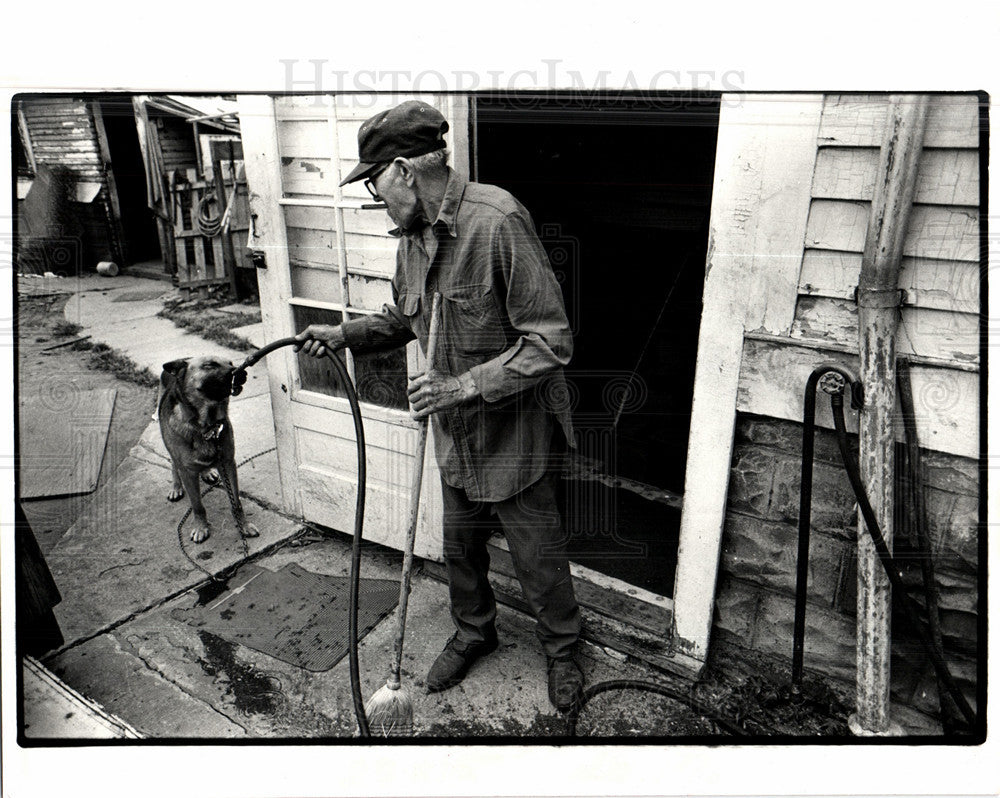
{"x":939,"y":331}
{"x":62,"y":133}
{"x":941,"y":273}
{"x":176,"y":137}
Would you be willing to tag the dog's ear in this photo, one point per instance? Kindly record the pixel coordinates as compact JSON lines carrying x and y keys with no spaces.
{"x":174,"y":371}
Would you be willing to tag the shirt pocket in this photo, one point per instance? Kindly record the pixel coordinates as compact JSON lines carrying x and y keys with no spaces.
{"x":409,"y":307}
{"x":473,"y":324}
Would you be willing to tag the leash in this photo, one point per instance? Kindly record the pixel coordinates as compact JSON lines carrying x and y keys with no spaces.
{"x":232,"y":504}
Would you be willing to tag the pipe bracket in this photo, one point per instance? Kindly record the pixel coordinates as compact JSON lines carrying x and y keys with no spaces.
{"x":879,"y":297}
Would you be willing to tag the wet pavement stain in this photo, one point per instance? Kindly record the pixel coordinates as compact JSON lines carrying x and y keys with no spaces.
{"x":253,"y":692}
{"x":210,"y":591}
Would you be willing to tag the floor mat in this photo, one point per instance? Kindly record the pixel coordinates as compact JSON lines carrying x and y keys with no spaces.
{"x":63,"y":435}
{"x":293,"y":614}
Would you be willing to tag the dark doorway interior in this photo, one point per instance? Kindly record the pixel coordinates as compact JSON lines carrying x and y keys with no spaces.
{"x":620,"y":190}
{"x":139,"y":225}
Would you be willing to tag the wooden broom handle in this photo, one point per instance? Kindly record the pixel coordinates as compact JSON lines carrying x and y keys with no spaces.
{"x":411,"y":530}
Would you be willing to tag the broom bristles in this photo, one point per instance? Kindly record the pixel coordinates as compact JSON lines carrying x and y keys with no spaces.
{"x":390,"y":712}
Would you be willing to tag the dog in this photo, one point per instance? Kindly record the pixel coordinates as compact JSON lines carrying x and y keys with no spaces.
{"x":193,"y":411}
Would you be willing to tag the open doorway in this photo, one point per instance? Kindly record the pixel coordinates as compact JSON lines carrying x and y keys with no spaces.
{"x":141,"y":240}
{"x":620,"y":191}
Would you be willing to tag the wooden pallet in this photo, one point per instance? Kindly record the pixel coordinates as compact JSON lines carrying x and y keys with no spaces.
{"x":201,"y":261}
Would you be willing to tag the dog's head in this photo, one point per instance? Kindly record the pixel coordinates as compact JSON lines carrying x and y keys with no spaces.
{"x":203,"y":383}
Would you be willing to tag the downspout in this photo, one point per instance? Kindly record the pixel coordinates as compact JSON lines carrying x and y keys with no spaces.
{"x":879,"y":300}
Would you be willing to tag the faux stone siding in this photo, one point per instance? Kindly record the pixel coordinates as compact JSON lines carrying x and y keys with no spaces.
{"x":755,"y":598}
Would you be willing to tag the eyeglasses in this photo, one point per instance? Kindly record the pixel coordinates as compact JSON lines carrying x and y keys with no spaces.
{"x":370,"y":182}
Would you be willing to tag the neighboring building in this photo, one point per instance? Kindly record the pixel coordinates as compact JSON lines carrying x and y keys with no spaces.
{"x":115,"y":159}
{"x":708,"y":249}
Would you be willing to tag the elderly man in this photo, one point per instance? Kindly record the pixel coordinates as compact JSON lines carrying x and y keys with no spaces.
{"x":491,"y":391}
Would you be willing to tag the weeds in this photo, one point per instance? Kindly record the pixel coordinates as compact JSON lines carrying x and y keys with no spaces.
{"x":202,"y":318}
{"x":64,"y":329}
{"x":105,"y":358}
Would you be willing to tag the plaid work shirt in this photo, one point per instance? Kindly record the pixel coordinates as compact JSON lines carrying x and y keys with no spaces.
{"x":502,"y":320}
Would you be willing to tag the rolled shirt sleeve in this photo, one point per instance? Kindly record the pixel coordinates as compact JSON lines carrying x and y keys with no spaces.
{"x":535,"y":308}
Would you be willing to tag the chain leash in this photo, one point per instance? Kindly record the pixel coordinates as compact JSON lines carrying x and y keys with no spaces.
{"x":233,"y":507}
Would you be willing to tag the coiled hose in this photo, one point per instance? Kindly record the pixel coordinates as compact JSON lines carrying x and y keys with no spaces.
{"x":239,"y":378}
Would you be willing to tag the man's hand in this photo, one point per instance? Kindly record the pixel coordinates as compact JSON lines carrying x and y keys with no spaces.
{"x":318,"y":338}
{"x":433,"y":391}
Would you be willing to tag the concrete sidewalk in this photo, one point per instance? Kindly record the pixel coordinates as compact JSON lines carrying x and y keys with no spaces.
{"x":124,"y":571}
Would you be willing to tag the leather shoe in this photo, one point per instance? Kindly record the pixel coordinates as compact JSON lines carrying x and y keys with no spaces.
{"x":454,"y":662}
{"x":565,"y":683}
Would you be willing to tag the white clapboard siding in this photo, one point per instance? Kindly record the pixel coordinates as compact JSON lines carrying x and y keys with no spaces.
{"x":939,"y":334}
{"x":928,"y":283}
{"x":935,"y":231}
{"x":940,"y":271}
{"x":858,"y":120}
{"x":946,"y":401}
{"x":944,"y":177}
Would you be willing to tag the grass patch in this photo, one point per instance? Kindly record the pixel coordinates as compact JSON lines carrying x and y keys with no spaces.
{"x":64,"y":329}
{"x":105,"y":358}
{"x":203,"y":318}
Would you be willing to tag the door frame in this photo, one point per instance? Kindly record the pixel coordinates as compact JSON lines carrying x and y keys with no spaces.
{"x":765,"y":156}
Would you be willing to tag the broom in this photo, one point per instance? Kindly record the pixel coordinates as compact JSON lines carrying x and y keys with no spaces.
{"x":390,"y":709}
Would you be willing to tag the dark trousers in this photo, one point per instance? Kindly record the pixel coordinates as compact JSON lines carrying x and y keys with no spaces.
{"x":533,"y":527}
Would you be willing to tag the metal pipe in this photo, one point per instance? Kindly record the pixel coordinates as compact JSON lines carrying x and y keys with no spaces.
{"x":878,"y":316}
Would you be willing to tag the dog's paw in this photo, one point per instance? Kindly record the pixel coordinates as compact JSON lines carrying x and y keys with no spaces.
{"x":250,"y":531}
{"x":200,"y":533}
{"x":176,"y":494}
{"x":210,"y":476}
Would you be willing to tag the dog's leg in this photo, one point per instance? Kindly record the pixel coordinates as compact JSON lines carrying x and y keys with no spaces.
{"x":200,"y":529}
{"x":177,"y":491}
{"x":249,"y":530}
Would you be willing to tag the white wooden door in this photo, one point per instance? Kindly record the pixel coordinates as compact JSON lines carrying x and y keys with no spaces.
{"x":328,"y":256}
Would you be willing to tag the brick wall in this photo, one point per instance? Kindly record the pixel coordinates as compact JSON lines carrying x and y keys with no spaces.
{"x":755,"y":599}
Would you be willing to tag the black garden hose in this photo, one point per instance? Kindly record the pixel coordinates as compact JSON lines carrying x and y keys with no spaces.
{"x":647,"y":687}
{"x":359,"y":511}
{"x":835,"y":380}
{"x":890,"y":565}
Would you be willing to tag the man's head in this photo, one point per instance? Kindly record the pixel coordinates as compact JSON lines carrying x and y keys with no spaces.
{"x":400,"y":150}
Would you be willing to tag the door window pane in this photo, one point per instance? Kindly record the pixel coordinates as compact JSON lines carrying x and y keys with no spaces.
{"x":381,"y":376}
